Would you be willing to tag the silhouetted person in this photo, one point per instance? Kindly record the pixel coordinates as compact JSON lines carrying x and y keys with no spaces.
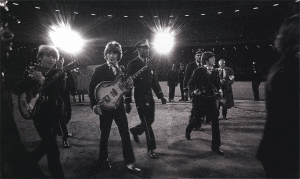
{"x":172,"y":82}
{"x":16,"y":161}
{"x":180,"y":79}
{"x":279,"y":147}
{"x":256,"y":79}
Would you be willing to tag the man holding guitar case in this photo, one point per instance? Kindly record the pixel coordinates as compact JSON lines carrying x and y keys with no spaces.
{"x":143,"y":86}
{"x":102,"y":79}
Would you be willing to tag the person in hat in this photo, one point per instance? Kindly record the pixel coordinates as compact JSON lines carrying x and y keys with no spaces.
{"x":188,"y":73}
{"x":143,"y":86}
{"x":16,"y":160}
{"x":204,"y":85}
{"x":109,"y":71}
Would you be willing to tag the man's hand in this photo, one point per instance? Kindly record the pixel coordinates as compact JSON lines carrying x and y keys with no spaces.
{"x":163,"y":100}
{"x":74,"y":99}
{"x":129,"y":82}
{"x":127,"y":108}
{"x":185,"y":95}
{"x":221,"y":93}
{"x":97,"y":110}
{"x":37,"y":76}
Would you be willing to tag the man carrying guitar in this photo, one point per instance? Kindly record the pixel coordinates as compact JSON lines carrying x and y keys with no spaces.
{"x":51,"y":110}
{"x":16,"y":161}
{"x":143,"y":86}
{"x":109,"y":71}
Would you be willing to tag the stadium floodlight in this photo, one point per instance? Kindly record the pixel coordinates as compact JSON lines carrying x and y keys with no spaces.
{"x":163,"y":42}
{"x":66,"y":39}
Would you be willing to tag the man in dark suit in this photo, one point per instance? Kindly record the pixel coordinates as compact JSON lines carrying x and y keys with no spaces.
{"x":256,"y":79}
{"x":203,"y":87}
{"x":16,"y":161}
{"x":172,"y":82}
{"x":226,"y":75}
{"x":143,"y":86}
{"x":109,"y":71}
{"x":180,"y":79}
{"x":70,"y":89}
{"x":188,"y":73}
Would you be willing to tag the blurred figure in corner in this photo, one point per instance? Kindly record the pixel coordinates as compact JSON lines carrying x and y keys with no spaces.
{"x":279,"y":148}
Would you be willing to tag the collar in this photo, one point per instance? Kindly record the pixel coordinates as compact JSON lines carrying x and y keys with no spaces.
{"x":109,"y":65}
{"x":197,"y":63}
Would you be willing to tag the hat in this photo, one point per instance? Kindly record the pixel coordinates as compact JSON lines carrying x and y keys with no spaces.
{"x":207,"y":55}
{"x":199,"y":51}
{"x":142,"y":43}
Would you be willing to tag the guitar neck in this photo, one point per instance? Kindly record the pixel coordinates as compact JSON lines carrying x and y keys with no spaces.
{"x":139,"y":72}
{"x":58,"y":74}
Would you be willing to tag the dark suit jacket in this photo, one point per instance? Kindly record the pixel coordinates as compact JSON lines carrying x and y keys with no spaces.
{"x":172,"y":78}
{"x":144,"y":83}
{"x":200,"y":80}
{"x":100,"y":74}
{"x":70,"y":84}
{"x":188,"y":73}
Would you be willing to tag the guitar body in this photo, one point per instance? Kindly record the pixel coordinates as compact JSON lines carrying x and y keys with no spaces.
{"x":29,"y":104}
{"x":108,"y":94}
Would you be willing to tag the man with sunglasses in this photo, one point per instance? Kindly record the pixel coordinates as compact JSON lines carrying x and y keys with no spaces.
{"x":143,"y":86}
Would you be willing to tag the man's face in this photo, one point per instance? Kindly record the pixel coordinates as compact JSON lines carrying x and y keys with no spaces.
{"x":198,"y":57}
{"x":143,"y":51}
{"x":173,"y":67}
{"x":112,"y":57}
{"x":6,"y":40}
{"x":211,"y":61}
{"x":181,"y":67}
{"x":47,"y":61}
{"x":59,"y":63}
{"x":222,"y":64}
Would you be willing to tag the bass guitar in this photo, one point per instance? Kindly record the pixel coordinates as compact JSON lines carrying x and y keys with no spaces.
{"x":30,"y":101}
{"x":108,"y":94}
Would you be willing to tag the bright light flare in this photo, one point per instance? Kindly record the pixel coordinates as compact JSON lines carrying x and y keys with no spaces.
{"x":163,"y":42}
{"x":66,"y":39}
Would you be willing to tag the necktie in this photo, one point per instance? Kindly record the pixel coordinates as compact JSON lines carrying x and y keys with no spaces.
{"x":222,"y":74}
{"x":115,"y":69}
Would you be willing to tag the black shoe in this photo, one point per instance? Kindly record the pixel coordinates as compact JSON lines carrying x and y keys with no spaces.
{"x":181,"y":99}
{"x":188,"y":136}
{"x":133,"y":169}
{"x":66,"y":144}
{"x":217,"y":150}
{"x":153,"y":155}
{"x":225,"y":118}
{"x":104,"y":165}
{"x":135,"y":136}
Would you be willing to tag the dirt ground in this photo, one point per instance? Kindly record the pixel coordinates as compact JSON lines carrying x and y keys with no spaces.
{"x":179,"y":158}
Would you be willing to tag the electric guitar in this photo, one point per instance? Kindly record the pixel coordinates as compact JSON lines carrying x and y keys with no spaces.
{"x":30,"y":101}
{"x":108,"y":94}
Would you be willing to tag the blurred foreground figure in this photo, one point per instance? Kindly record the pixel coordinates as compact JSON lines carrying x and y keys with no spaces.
{"x":16,"y":161}
{"x":279,"y":147}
